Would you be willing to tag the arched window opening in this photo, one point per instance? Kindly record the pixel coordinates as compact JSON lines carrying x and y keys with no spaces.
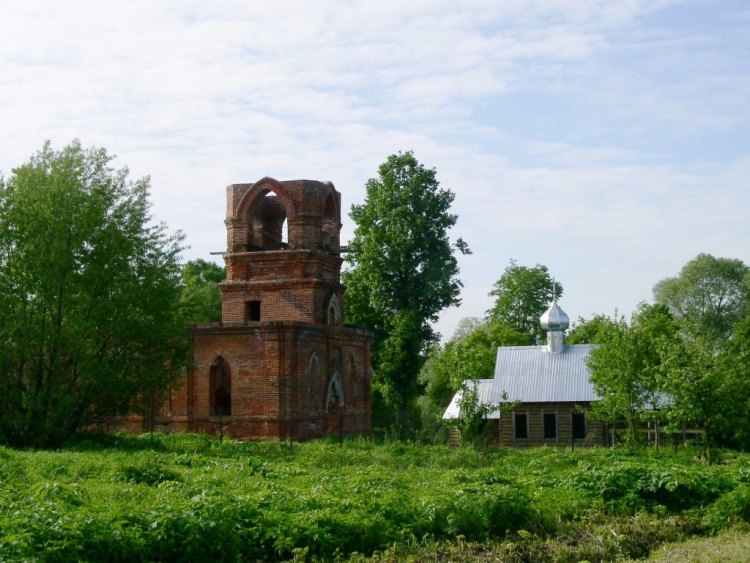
{"x":334,"y":393}
{"x":330,"y":226}
{"x":329,"y":210}
{"x":313,"y":375}
{"x":220,"y":388}
{"x":267,"y":224}
{"x":333,"y":318}
{"x":333,"y":312}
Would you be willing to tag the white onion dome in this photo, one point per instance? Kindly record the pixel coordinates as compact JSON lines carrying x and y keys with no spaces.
{"x":554,"y":319}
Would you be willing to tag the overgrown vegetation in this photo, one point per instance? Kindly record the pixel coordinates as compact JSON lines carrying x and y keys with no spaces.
{"x":190,"y":497}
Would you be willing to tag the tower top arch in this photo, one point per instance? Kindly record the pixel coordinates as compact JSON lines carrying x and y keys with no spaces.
{"x":273,"y":215}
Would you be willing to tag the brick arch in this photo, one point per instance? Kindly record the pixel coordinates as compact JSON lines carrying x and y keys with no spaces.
{"x":330,"y":214}
{"x":260,"y":189}
{"x":355,"y":370}
{"x":329,"y":208}
{"x":268,"y":219}
{"x":333,"y":310}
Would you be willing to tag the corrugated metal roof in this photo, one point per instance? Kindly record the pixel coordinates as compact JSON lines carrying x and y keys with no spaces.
{"x":530,"y":374}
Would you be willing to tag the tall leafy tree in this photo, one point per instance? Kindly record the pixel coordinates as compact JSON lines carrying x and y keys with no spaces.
{"x":736,"y":369}
{"x":403,"y":271}
{"x":200,"y":298}
{"x":522,"y":294}
{"x":709,"y":387}
{"x":625,"y":365}
{"x":693,"y":378}
{"x":710,"y":295}
{"x":468,"y":356}
{"x":89,"y":291}
{"x":705,"y":372}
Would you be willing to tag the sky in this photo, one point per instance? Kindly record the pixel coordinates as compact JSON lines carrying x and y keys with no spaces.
{"x":606,"y":140}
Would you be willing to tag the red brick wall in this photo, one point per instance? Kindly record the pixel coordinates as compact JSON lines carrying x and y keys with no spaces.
{"x":273,"y":392}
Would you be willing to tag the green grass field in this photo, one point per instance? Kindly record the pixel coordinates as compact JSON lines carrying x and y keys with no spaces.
{"x":191,"y":498}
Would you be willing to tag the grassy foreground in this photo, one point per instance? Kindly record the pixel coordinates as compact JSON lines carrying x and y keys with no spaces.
{"x":729,"y":547}
{"x":191,"y":498}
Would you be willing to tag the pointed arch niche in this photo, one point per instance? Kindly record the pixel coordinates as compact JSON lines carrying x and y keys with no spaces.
{"x":333,"y":311}
{"x":220,"y":388}
{"x":314,"y":367}
{"x":331,"y":223}
{"x":334,"y":392}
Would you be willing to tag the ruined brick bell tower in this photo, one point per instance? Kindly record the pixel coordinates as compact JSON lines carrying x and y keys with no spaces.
{"x":280,"y":364}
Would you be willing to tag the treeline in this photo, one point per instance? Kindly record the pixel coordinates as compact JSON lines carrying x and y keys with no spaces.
{"x":89,"y":296}
{"x":94,"y":299}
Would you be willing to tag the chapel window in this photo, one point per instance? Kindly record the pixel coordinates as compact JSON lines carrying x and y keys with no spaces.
{"x":550,"y":426}
{"x":579,"y":426}
{"x":520,"y":425}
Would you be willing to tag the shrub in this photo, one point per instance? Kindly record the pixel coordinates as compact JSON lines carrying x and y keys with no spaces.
{"x":632,"y":486}
{"x":730,"y":509}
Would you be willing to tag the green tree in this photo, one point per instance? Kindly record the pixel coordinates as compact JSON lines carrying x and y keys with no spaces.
{"x":695,"y":385}
{"x":709,"y":296}
{"x":705,"y":373}
{"x":403,"y":272}
{"x":473,"y":414}
{"x":89,"y":291}
{"x":471,"y":356}
{"x":735,"y":367}
{"x":710,"y":388}
{"x":626,"y":363}
{"x":585,"y":331}
{"x":200,"y":298}
{"x":522,"y":294}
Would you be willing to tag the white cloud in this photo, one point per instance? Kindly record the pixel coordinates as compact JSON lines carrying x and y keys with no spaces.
{"x":603,"y":139}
